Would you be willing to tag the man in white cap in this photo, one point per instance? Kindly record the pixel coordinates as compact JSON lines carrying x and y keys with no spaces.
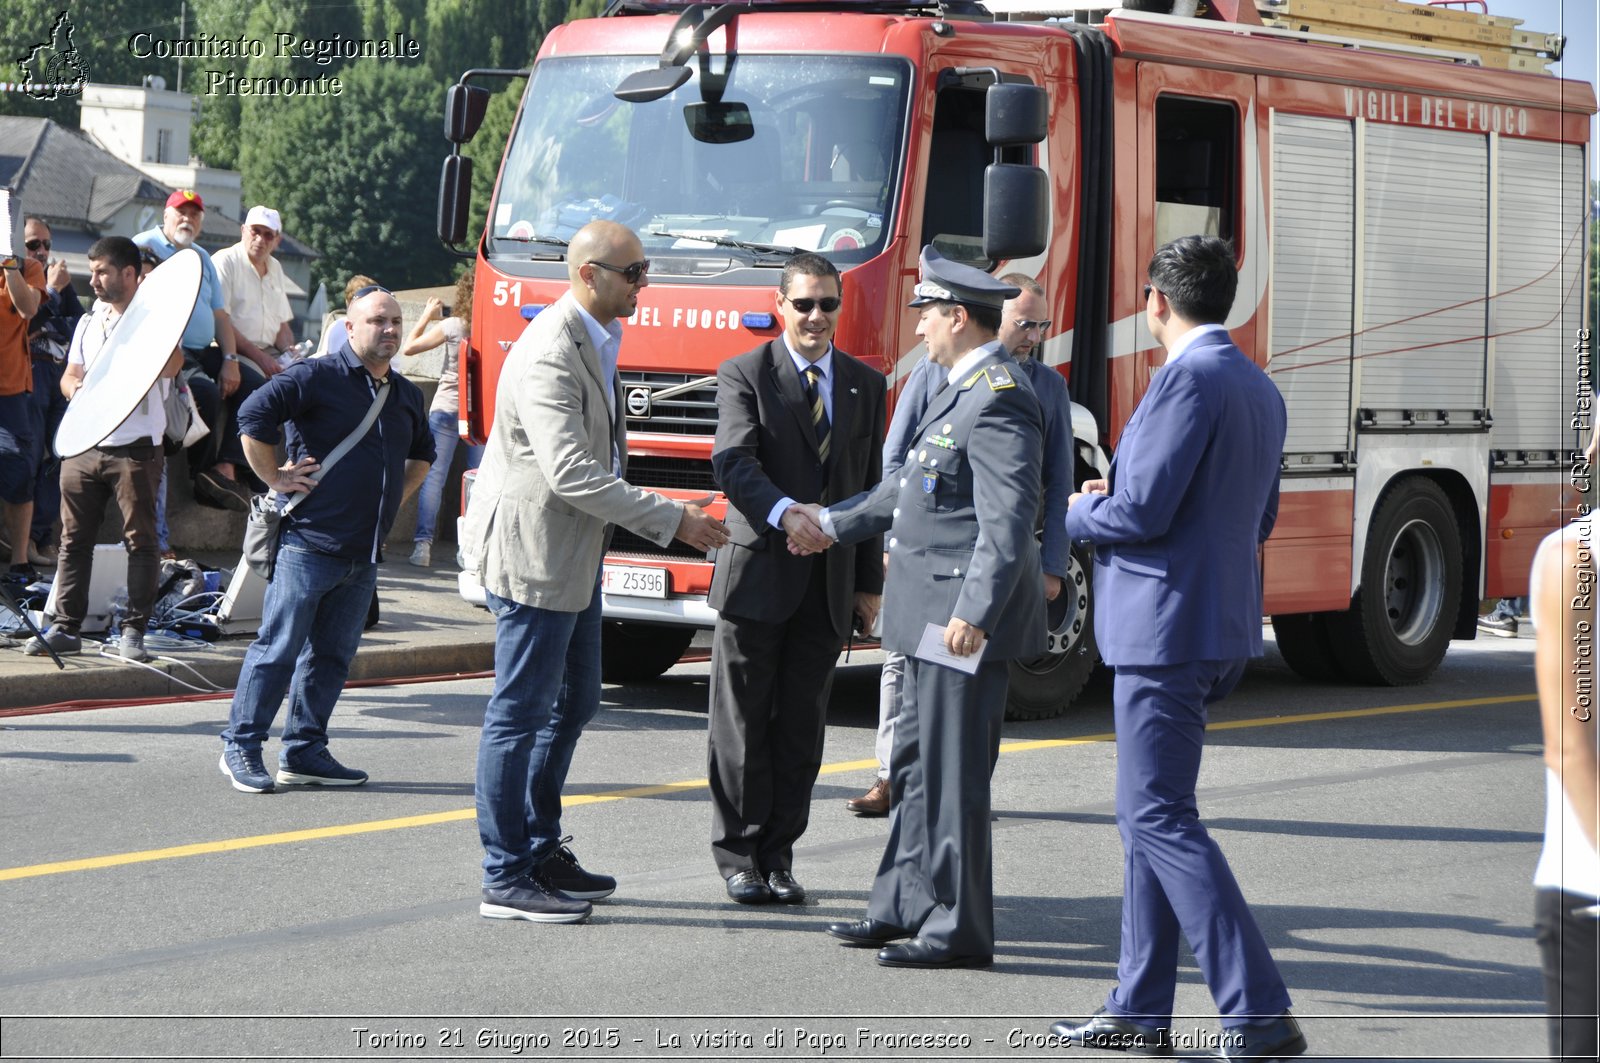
{"x":256,"y":291}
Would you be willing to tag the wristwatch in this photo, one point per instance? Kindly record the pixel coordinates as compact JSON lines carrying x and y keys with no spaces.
{"x":230,"y":358}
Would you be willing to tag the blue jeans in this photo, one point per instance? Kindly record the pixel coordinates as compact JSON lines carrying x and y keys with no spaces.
{"x":546,"y":688}
{"x":163,"y":533}
{"x":446,"y":434}
{"x":310,"y":627}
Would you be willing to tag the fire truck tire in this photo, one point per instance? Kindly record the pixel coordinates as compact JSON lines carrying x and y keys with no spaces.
{"x":1399,"y":622}
{"x":1306,"y":645}
{"x":1042,"y":688}
{"x":630,"y":653}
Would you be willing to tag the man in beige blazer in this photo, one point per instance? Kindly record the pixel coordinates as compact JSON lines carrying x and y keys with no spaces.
{"x":549,"y":488}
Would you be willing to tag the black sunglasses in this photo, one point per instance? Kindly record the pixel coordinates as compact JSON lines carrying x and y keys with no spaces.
{"x":362,"y":293}
{"x":829,"y":304}
{"x":34,"y":245}
{"x":631,"y":274}
{"x":1148,"y":288}
{"x":1024,"y":325}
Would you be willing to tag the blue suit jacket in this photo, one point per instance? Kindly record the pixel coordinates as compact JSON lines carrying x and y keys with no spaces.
{"x":1194,"y":492}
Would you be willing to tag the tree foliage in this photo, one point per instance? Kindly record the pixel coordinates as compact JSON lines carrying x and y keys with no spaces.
{"x":356,"y":176}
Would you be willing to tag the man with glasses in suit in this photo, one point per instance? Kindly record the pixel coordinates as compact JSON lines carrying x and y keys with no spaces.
{"x":797,"y":421}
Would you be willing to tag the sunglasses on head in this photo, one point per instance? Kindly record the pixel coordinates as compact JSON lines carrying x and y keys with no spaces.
{"x":828,"y":303}
{"x":34,"y":245}
{"x":631,"y":274}
{"x":362,"y":293}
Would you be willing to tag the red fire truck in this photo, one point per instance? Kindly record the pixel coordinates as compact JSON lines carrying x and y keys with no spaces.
{"x":1411,"y":235}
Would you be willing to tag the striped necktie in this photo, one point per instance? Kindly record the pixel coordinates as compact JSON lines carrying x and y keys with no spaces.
{"x":819,"y":411}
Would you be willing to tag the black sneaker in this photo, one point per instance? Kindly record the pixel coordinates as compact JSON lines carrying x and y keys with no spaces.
{"x":244,"y":767}
{"x":562,"y":870}
{"x":215,"y":489}
{"x":532,"y":898}
{"x":318,"y":769}
{"x":1504,"y":626}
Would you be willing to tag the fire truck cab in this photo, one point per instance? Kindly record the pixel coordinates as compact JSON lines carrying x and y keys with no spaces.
{"x":1411,"y":233}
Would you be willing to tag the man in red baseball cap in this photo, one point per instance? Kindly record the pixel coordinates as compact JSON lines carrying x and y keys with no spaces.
{"x":211,"y":365}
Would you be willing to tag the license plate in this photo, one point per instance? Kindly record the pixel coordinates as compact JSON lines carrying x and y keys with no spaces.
{"x":634,"y":581}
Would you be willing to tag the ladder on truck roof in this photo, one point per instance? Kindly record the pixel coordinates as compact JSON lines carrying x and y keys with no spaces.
{"x":1429,"y":30}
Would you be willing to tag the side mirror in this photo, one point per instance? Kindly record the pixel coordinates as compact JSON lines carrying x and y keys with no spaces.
{"x":719,"y":123}
{"x":464,"y":107}
{"x":1016,"y":211}
{"x":1015,"y":115}
{"x":455,"y":195}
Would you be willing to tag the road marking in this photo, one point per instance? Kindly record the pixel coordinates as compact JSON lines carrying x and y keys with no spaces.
{"x":227,"y":845}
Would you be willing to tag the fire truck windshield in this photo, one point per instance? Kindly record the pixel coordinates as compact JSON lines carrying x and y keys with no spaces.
{"x":768,"y":154}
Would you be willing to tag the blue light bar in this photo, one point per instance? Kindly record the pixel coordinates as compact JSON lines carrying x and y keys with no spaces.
{"x":757,"y":320}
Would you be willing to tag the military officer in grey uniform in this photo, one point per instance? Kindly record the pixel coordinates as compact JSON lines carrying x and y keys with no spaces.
{"x":963,"y":583}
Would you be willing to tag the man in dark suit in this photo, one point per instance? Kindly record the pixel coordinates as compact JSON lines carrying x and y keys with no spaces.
{"x":798,"y":421}
{"x":963,"y":581}
{"x":1192,"y":494}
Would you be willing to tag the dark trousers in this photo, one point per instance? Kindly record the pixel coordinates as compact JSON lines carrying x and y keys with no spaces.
{"x":90,"y":481}
{"x":937,"y":872}
{"x":1175,"y":878}
{"x":202,"y":369}
{"x":1568,"y":947}
{"x":50,"y":405}
{"x":767,"y":719}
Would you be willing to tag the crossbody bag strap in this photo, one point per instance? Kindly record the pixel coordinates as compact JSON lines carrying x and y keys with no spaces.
{"x":345,"y":444}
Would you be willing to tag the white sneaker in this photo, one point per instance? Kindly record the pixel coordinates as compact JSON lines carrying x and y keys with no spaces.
{"x":422,"y":554}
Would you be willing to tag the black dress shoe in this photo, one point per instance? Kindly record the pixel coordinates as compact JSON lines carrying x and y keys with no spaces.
{"x":1263,"y":1041}
{"x":1113,"y":1032}
{"x":785,"y":890}
{"x":746,"y":887}
{"x":867,"y":933}
{"x":918,"y":953}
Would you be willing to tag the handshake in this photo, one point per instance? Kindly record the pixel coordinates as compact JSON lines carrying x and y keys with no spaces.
{"x":803,"y":523}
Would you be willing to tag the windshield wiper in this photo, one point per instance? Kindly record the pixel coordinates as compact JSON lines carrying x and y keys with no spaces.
{"x":782,"y":250}
{"x":551,"y":240}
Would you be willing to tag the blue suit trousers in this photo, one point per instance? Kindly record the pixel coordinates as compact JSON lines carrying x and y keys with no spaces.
{"x":1176,"y":878}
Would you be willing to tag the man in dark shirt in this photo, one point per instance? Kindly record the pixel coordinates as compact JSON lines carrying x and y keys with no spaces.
{"x":327,"y":566}
{"x":49,"y":336}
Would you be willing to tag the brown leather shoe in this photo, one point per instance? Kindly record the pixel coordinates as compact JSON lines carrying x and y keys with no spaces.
{"x":875,"y":802}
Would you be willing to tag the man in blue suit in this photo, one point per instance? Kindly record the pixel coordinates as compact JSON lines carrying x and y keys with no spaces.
{"x":1192,"y":494}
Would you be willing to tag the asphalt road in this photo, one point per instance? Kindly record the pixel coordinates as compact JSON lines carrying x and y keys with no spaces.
{"x":1385,"y":837}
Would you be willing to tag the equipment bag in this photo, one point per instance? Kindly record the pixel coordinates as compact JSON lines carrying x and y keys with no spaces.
{"x":185,"y":426}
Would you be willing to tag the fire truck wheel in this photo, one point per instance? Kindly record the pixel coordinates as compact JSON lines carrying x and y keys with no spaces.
{"x":1306,"y":645}
{"x":1043,"y":687}
{"x":1400,"y":620}
{"x":630,"y":653}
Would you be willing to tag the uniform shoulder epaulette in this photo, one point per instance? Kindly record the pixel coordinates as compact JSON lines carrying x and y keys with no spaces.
{"x":999,"y":378}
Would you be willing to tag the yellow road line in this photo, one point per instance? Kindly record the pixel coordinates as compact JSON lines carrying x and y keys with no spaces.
{"x":371,"y":826}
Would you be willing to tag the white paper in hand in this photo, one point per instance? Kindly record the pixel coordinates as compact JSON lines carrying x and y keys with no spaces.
{"x":8,"y":222}
{"x":932,"y":649}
